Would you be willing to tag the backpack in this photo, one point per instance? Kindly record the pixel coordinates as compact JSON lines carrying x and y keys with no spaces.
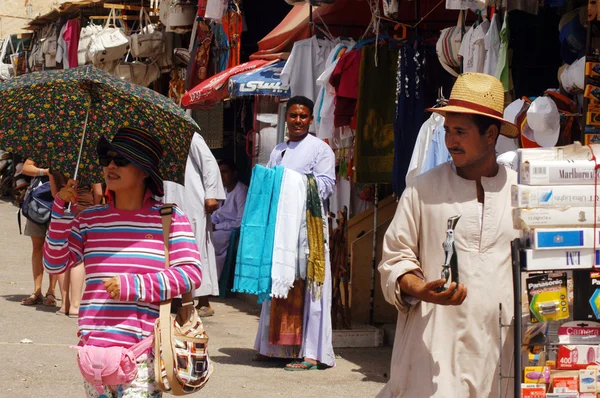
{"x":37,"y":205}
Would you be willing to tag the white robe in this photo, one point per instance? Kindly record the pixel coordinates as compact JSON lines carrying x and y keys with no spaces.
{"x":451,"y":352}
{"x":310,"y":155}
{"x":226,"y":219}
{"x":202,"y":181}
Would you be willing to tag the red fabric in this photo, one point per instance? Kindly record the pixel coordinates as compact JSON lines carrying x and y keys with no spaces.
{"x":71,"y":36}
{"x":345,"y":79}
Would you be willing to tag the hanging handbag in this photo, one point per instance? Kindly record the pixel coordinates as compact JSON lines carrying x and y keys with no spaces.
{"x":85,"y":40}
{"x":165,"y":61}
{"x":177,"y":16}
{"x":36,"y":57}
{"x":148,"y":42}
{"x":138,"y":72}
{"x":181,"y":363}
{"x":110,"y":44}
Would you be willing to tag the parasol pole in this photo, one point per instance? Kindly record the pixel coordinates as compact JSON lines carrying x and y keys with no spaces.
{"x":87,"y":115}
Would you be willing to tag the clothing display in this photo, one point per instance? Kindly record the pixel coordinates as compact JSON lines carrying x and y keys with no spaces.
{"x":304,"y":65}
{"x":255,"y":256}
{"x":421,"y":149}
{"x":492,"y":47}
{"x":62,"y":49}
{"x":374,"y":155}
{"x":325,"y":103}
{"x":437,"y":152}
{"x":409,"y":110}
{"x":345,"y":80}
{"x":472,"y":48}
{"x":503,"y":68}
{"x":457,"y":339}
{"x":202,"y":181}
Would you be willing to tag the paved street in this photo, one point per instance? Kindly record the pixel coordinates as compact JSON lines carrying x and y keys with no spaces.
{"x":47,"y":367}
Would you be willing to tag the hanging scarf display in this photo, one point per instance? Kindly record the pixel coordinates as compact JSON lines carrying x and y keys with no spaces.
{"x":198,"y":68}
{"x":409,"y":117}
{"x":316,"y":239}
{"x":232,"y":25}
{"x":287,"y":317}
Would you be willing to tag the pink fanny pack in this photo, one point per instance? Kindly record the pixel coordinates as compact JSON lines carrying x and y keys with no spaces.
{"x":111,"y":366}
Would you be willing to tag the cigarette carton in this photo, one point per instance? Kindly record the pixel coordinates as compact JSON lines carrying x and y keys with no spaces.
{"x":582,"y":217}
{"x":528,"y":196}
{"x":533,"y":391}
{"x":557,"y":172}
{"x":587,"y":380}
{"x":541,"y":260}
{"x":577,"y":357}
{"x":568,"y":152}
{"x":559,"y":238}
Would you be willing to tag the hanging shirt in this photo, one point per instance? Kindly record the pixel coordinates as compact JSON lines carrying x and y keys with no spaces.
{"x":325,"y":104}
{"x":62,"y":49}
{"x":438,"y":152}
{"x":344,"y":79}
{"x":502,"y":70}
{"x":305,"y":64}
{"x":492,"y":47}
{"x":71,"y":37}
{"x":422,"y":146}
{"x":472,"y":48}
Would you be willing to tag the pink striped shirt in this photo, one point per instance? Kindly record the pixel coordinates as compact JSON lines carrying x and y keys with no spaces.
{"x":128,"y":244}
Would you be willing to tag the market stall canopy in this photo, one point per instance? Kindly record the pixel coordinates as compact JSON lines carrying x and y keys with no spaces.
{"x":213,"y":90}
{"x":263,"y":81}
{"x":343,"y":16}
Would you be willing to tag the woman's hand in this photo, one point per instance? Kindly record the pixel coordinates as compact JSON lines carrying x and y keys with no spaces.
{"x":69,"y":192}
{"x":113,"y":287}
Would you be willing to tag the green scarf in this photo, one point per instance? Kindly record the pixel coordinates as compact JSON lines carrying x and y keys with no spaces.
{"x":316,"y":241}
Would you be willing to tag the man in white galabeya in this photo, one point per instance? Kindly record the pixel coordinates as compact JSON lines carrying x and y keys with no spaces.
{"x":447,"y":344}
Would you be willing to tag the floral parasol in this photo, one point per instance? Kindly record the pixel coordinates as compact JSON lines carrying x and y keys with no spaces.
{"x":43,"y":114}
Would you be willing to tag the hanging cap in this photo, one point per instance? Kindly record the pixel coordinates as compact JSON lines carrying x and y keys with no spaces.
{"x":544,"y":120}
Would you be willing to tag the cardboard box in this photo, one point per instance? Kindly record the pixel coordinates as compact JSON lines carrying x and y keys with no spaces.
{"x":528,"y":196}
{"x":579,"y":333}
{"x":541,"y":260}
{"x":577,"y":357}
{"x":565,"y":384}
{"x":582,"y":217}
{"x":562,"y":238}
{"x":532,"y":391}
{"x":558,"y":172}
{"x":563,"y":395}
{"x":568,"y":152}
{"x":536,"y":375}
{"x":587,"y":380}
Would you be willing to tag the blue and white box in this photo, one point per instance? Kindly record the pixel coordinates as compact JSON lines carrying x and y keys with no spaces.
{"x":558,"y":259}
{"x":555,"y":238}
{"x":529,"y":196}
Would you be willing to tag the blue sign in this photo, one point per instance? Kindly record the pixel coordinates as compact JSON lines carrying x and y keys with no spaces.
{"x":263,"y":81}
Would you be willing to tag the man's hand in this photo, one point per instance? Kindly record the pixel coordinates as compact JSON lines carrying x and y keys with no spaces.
{"x":413,"y":285}
{"x":453,"y":296}
{"x":113,"y":287}
{"x":210,"y":205}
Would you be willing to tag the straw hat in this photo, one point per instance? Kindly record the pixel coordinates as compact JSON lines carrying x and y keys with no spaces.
{"x":479,"y":94}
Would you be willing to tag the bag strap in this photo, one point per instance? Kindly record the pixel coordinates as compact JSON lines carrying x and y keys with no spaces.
{"x":166,"y":322}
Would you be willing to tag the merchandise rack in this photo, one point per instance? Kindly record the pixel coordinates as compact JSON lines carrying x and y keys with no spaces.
{"x":518,"y":269}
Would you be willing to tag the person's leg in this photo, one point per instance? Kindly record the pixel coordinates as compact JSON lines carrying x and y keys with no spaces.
{"x":204,"y":308}
{"x":77,"y":283}
{"x":50,"y":299}
{"x":66,"y":295}
{"x":37,"y":266}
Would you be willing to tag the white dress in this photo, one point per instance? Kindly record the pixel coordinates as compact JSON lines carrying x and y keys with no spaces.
{"x":202,"y":181}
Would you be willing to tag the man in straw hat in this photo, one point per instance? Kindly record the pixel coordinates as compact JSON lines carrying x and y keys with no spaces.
{"x":447,"y":343}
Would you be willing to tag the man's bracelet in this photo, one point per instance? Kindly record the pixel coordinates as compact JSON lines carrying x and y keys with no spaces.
{"x":41,"y":172}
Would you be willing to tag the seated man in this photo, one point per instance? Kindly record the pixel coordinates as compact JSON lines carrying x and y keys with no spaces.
{"x":229,"y":215}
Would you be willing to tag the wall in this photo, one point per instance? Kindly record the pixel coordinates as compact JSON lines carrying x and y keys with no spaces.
{"x":18,"y":8}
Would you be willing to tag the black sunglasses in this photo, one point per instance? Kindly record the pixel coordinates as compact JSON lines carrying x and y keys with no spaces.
{"x":119,"y":160}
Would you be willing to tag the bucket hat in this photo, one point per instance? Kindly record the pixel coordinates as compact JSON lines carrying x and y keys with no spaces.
{"x":544,"y":120}
{"x":479,"y":94}
{"x":141,"y":149}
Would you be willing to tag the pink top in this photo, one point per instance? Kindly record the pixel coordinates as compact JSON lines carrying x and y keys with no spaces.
{"x":128,"y":244}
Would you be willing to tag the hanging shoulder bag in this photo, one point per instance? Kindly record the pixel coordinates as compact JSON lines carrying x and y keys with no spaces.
{"x":110,"y":44}
{"x":181,"y":362}
{"x":148,"y":42}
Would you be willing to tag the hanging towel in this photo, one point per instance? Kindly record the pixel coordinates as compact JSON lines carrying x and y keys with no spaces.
{"x":303,"y":240}
{"x":252,"y":272}
{"x":316,"y":239}
{"x":287,"y":317}
{"x":292,"y":201}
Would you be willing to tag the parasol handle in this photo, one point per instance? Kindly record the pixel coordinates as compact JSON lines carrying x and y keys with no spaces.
{"x":87,"y":115}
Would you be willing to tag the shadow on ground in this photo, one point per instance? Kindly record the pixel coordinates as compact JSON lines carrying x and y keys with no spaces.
{"x":17,"y":298}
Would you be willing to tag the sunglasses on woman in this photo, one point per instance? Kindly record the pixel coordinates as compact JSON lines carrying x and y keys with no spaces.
{"x":120,"y":161}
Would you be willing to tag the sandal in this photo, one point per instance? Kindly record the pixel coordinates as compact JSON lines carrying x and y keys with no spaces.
{"x":33,"y":299}
{"x":50,"y":300}
{"x":305,"y":366}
